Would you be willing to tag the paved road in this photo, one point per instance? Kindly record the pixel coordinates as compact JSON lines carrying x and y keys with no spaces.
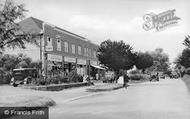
{"x":167,"y":99}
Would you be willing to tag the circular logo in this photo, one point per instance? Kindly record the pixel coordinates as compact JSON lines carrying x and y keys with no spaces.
{"x":6,"y":112}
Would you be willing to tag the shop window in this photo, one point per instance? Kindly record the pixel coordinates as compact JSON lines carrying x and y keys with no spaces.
{"x":73,"y":48}
{"x":79,"y":50}
{"x":58,"y":45}
{"x":66,"y":47}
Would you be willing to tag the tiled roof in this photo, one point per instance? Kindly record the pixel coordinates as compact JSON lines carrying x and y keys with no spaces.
{"x":39,"y":24}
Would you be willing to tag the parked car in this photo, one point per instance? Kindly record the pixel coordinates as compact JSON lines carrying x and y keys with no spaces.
{"x":23,"y":76}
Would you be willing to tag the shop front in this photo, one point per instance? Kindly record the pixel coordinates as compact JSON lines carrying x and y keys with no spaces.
{"x":54,"y":64}
{"x":81,"y":67}
{"x":69,"y":64}
{"x":97,"y":72}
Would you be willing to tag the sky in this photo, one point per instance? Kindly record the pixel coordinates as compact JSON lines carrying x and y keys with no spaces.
{"x":99,"y":20}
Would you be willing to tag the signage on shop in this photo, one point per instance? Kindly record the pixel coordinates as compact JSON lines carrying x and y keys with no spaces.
{"x":81,"y":61}
{"x":70,"y":59}
{"x":52,"y":57}
{"x":93,"y":62}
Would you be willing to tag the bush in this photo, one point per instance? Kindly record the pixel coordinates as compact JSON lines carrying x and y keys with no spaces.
{"x":58,"y":79}
{"x":40,"y":81}
{"x":5,"y":76}
{"x":51,"y":80}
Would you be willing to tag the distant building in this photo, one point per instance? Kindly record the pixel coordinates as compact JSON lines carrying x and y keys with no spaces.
{"x":61,"y":50}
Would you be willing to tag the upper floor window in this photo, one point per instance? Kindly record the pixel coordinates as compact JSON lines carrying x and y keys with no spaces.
{"x":89,"y":52}
{"x":85,"y":51}
{"x":94,"y":54}
{"x":73,"y":48}
{"x":49,"y":46}
{"x":66,"y":47}
{"x":79,"y":50}
{"x":58,"y":45}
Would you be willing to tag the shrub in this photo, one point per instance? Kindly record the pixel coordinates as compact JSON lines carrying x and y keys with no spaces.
{"x":5,"y":76}
{"x":40,"y":81}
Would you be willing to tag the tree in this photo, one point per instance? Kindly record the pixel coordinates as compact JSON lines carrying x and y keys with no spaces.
{"x":184,"y":58}
{"x":187,"y":41}
{"x":11,"y":34}
{"x":143,"y":61}
{"x":161,"y":61}
{"x":24,"y":61}
{"x":116,"y":55}
{"x":9,"y":62}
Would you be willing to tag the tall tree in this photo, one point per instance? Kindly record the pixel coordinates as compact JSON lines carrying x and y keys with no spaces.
{"x":184,"y":58}
{"x":143,"y":61}
{"x":161,"y":60}
{"x":11,"y":34}
{"x":187,"y":41}
{"x":116,"y":55}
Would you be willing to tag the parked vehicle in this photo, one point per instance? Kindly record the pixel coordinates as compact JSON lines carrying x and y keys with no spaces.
{"x":23,"y":76}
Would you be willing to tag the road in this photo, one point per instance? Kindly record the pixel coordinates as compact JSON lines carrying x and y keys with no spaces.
{"x":167,"y":99}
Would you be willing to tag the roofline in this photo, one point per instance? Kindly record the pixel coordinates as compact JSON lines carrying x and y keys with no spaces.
{"x":61,"y":30}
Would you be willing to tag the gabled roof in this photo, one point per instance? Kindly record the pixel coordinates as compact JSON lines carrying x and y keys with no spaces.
{"x":38,"y":22}
{"x":35,"y":25}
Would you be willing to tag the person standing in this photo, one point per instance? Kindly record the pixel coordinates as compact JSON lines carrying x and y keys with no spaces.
{"x":126,"y":79}
{"x":157,"y":76}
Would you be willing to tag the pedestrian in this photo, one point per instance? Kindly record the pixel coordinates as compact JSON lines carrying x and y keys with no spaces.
{"x":97,"y":76}
{"x":126,"y":80}
{"x":157,"y":76}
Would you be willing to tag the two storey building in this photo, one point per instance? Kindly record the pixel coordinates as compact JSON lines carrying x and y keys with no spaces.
{"x":61,"y":50}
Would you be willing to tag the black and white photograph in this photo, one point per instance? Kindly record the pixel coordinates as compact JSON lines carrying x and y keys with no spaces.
{"x":94,"y":59}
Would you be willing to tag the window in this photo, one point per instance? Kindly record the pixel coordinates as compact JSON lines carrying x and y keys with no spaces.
{"x":94,"y":54}
{"x":58,"y":45}
{"x":79,"y":50}
{"x":49,"y":41}
{"x":73,"y":48}
{"x":66,"y":47}
{"x":85,"y":52}
{"x":89,"y":52}
{"x":49,"y":46}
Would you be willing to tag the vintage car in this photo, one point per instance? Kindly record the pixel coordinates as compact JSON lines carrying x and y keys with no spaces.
{"x":23,"y":76}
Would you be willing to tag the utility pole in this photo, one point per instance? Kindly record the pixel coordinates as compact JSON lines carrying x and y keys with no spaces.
{"x":43,"y":53}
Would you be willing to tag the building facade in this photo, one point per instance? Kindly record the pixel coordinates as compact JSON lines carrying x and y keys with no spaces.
{"x":61,"y":51}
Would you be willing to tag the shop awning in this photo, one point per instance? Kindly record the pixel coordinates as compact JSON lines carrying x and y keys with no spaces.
{"x":98,"y":67}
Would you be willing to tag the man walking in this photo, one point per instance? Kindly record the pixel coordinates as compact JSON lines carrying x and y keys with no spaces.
{"x":126,"y":79}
